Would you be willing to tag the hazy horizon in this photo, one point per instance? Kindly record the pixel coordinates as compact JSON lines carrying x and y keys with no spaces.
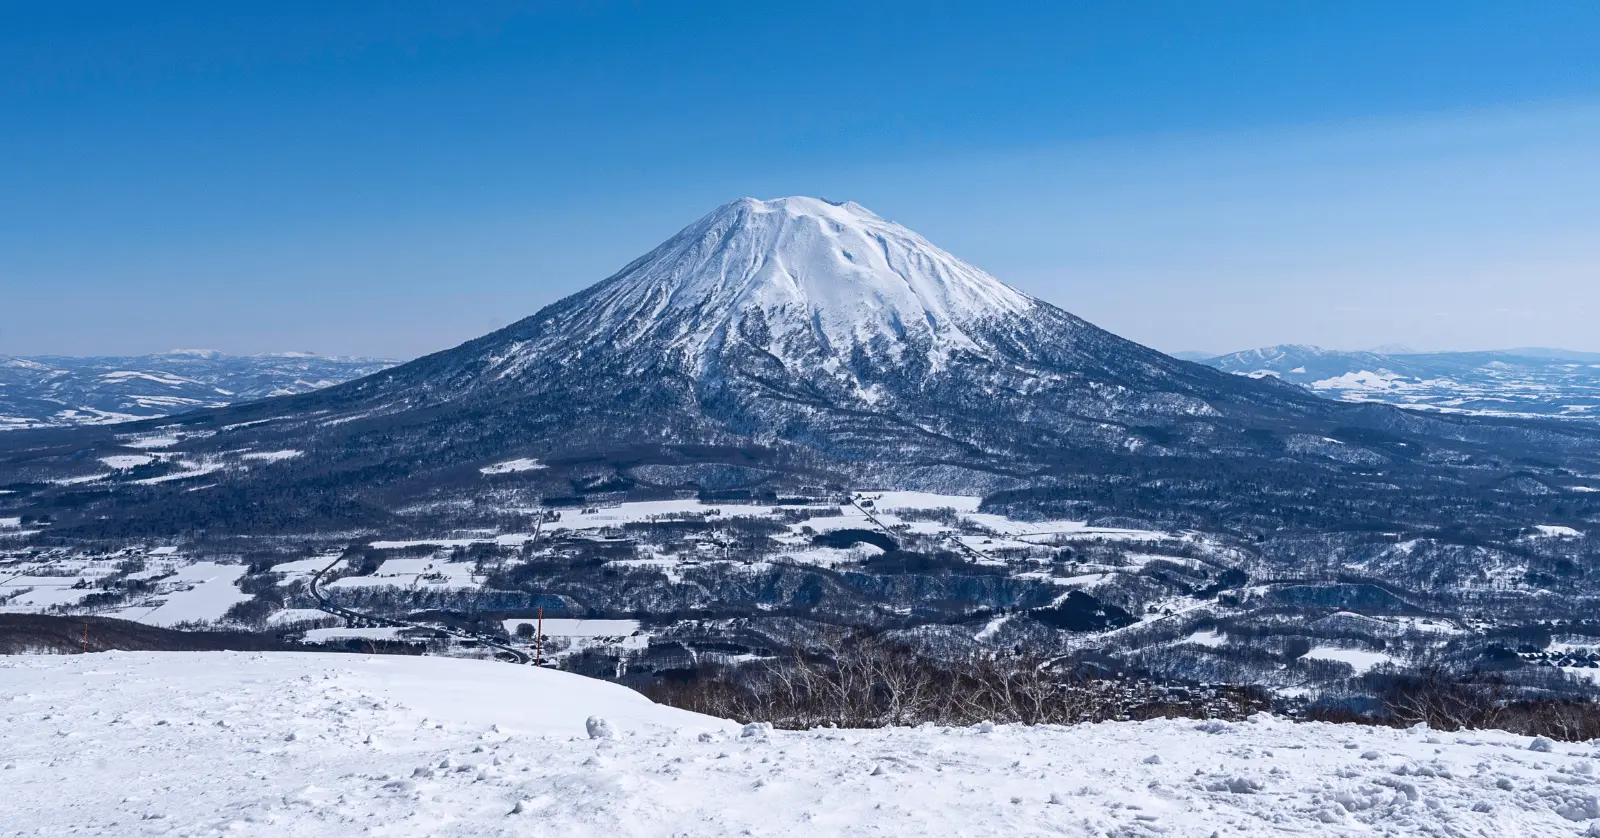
{"x":1180,"y":353}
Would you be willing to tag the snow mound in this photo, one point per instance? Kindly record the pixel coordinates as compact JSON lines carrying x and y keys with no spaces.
{"x":336,"y":745}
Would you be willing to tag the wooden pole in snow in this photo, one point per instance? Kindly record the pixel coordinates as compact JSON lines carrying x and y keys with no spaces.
{"x":538,"y":642}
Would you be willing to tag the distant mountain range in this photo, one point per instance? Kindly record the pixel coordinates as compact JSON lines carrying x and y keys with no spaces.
{"x":1525,"y":382}
{"x":46,"y":391}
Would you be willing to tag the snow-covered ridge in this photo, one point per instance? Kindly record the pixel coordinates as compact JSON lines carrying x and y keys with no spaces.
{"x":802,"y":276}
{"x":336,"y":745}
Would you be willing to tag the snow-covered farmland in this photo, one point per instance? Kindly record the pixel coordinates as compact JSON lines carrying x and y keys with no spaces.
{"x":202,"y":591}
{"x":826,"y":533}
{"x":173,"y":589}
{"x":413,"y":573}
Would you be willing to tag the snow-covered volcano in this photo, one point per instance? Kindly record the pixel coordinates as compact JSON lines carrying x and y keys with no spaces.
{"x":806,"y":300}
{"x":766,"y":318}
{"x":797,"y":342}
{"x":800,"y":278}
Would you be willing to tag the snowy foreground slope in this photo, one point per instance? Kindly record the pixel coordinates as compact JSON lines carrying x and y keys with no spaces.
{"x":305,"y":745}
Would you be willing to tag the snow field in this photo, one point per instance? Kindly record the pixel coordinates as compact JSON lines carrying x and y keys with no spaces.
{"x":149,"y":440}
{"x":513,"y":466}
{"x":271,"y":456}
{"x":583,"y":634}
{"x":186,"y":592}
{"x":922,"y":500}
{"x":122,"y":461}
{"x":202,"y":591}
{"x":1360,"y":660}
{"x":564,"y":627}
{"x":27,"y":594}
{"x":290,"y":616}
{"x":832,"y":556}
{"x":377,"y":633}
{"x":136,"y":744}
{"x":412,"y":573}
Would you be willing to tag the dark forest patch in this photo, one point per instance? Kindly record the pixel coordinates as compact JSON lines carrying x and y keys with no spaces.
{"x":842,"y":539}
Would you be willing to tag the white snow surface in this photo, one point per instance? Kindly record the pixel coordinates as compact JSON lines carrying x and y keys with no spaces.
{"x":923,"y":500}
{"x":370,"y":633}
{"x":513,"y":466}
{"x":122,"y":461}
{"x":156,"y":441}
{"x":206,"y":591}
{"x":1364,"y":380}
{"x":271,"y":456}
{"x":563,"y":627}
{"x":137,"y":744}
{"x":289,"y":616}
{"x":413,"y":573}
{"x":1211,"y":639}
{"x":1359,"y":659}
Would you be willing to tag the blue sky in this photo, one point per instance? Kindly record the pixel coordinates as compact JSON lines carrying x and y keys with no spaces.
{"x":393,"y":178}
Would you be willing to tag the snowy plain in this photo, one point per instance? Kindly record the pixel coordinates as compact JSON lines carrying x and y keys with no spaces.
{"x":279,"y":744}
